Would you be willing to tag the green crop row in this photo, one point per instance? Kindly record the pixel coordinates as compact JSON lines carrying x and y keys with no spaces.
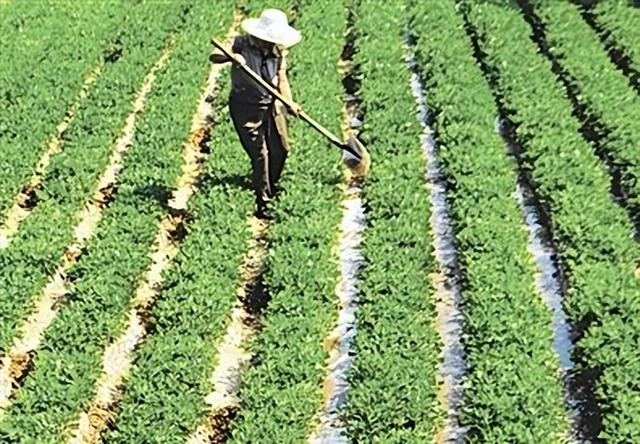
{"x":70,"y":361}
{"x":592,"y":233}
{"x":281,"y":394}
{"x":602,"y":88}
{"x":165,"y":397}
{"x":622,"y":20}
{"x":53,"y":46}
{"x":393,"y":378}
{"x":68,"y":184}
{"x":507,"y":328}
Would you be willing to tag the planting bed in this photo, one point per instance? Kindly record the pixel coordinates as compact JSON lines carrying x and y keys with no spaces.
{"x":481,"y":283}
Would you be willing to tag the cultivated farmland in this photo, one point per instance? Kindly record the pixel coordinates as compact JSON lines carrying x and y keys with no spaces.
{"x":481,"y":283}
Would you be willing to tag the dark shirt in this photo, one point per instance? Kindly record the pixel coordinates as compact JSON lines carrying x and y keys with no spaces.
{"x":243,"y":88}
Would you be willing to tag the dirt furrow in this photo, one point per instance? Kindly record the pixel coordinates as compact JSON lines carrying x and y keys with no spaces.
{"x":551,"y":280}
{"x":330,"y":427}
{"x":16,"y":363}
{"x":450,"y":320}
{"x":26,"y":200}
{"x":339,"y":342}
{"x":233,"y":353}
{"x":118,"y":356}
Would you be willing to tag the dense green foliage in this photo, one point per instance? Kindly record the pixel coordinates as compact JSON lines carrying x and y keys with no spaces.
{"x":42,"y":83}
{"x":68,"y":365}
{"x":620,"y":21}
{"x":507,"y":327}
{"x":593,"y":234}
{"x":393,"y":394}
{"x":72,"y":176}
{"x":605,"y":91}
{"x":281,"y":394}
{"x":514,"y":389}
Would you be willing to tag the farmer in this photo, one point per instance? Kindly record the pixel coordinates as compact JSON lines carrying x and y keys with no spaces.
{"x":258,"y":119}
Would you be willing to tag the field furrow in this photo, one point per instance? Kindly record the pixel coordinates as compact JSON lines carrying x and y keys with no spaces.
{"x":328,"y":424}
{"x":507,"y":328}
{"x":233,"y":354}
{"x":393,"y":395}
{"x":591,"y":232}
{"x":281,"y":392}
{"x":450,"y":319}
{"x":39,"y":246}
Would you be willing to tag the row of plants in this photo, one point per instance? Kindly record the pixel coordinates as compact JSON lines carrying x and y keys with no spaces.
{"x":620,"y":20}
{"x":38,"y":246}
{"x":42,"y":69}
{"x":282,"y":392}
{"x":165,"y":396}
{"x":66,"y":369}
{"x":602,"y":88}
{"x":592,"y":233}
{"x":393,"y":379}
{"x":507,"y":327}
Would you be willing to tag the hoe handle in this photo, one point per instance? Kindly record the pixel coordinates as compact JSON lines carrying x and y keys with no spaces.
{"x":260,"y":81}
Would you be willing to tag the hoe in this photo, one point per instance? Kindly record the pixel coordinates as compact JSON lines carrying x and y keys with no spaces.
{"x":355,"y":156}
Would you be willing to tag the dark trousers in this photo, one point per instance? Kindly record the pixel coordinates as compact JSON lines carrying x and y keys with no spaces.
{"x":262,"y":132}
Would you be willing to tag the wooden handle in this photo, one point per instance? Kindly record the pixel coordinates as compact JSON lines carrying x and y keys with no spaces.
{"x":322,"y":130}
{"x":304,"y":116}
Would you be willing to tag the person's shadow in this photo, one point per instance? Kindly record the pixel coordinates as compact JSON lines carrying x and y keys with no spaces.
{"x":241,"y":181}
{"x":155,"y":192}
{"x":162,"y":194}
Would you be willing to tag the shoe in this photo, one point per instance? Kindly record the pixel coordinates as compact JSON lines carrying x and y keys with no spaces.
{"x":263,"y":213}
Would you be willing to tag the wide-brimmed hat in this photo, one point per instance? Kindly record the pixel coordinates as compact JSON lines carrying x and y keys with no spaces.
{"x":273,"y":27}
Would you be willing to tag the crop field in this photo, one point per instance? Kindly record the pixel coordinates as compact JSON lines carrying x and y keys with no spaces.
{"x":480,"y":284}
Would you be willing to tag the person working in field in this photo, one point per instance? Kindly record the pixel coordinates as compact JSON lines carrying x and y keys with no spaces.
{"x":258,"y":119}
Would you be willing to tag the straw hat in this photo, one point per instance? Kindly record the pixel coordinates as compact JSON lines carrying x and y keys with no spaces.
{"x":273,"y":27}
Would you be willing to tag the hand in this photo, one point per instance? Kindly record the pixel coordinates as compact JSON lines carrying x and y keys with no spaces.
{"x":295,"y":109}
{"x":220,"y":51}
